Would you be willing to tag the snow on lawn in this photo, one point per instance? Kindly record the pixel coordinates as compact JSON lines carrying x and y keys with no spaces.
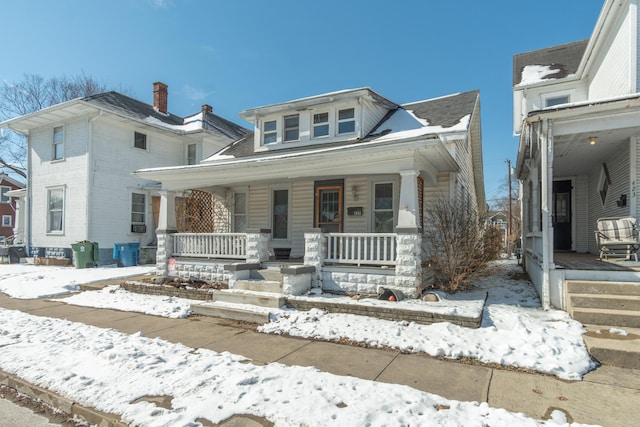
{"x":27,"y":281}
{"x":515,"y":331}
{"x":110,"y":371}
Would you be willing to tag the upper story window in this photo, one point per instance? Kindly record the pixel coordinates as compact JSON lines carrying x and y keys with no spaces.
{"x":556,"y":100}
{"x":58,"y":143}
{"x":140,"y":140}
{"x":270,"y":132}
{"x":7,"y":220}
{"x":292,"y":127}
{"x":191,"y":154}
{"x":346,"y":120}
{"x":3,"y":194}
{"x":320,"y":125}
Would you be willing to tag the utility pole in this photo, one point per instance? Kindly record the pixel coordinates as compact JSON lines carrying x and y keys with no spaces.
{"x":509,"y":221}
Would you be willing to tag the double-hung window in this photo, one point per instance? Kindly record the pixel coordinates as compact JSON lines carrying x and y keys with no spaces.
{"x":58,"y":143}
{"x":291,"y":127}
{"x":55,"y":210}
{"x":239,"y":212}
{"x":138,"y":213}
{"x":4,"y":198}
{"x":270,"y":132}
{"x":347,"y":120}
{"x":320,"y":125}
{"x":191,"y":154}
{"x":383,"y":207}
{"x":7,"y":220}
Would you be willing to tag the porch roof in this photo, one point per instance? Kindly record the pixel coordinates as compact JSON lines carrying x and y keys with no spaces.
{"x":610,"y":122}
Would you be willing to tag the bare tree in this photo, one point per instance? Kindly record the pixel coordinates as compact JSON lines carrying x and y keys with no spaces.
{"x":458,"y":242}
{"x":34,"y":93}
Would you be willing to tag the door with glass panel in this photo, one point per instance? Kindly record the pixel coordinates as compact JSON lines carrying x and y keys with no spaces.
{"x":329,"y":208}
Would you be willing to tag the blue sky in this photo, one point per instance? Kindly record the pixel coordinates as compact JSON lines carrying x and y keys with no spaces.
{"x":236,"y":55}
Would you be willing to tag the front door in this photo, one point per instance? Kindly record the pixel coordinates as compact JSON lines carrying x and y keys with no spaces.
{"x":562,"y":215}
{"x":328,"y":201}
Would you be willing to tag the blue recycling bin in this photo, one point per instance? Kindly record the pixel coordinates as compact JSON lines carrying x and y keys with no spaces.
{"x":127,"y":253}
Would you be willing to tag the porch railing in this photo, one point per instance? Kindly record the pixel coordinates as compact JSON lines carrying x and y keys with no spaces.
{"x":361,"y":248}
{"x":210,"y":245}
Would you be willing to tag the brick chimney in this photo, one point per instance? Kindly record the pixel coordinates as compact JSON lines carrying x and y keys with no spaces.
{"x":206,"y":108}
{"x":160,"y":95}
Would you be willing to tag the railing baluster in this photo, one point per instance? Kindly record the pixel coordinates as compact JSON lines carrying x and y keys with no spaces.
{"x":361,"y":248}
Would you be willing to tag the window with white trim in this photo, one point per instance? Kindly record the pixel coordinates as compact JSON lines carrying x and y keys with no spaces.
{"x":320,"y":125}
{"x":191,"y":154}
{"x":55,"y":210}
{"x":7,"y":220}
{"x":138,"y":212}
{"x":291,"y":127}
{"x":239,"y":212}
{"x":58,"y":143}
{"x":346,"y":120}
{"x":4,"y":198}
{"x":383,"y":207}
{"x":270,"y":132}
{"x":556,"y":100}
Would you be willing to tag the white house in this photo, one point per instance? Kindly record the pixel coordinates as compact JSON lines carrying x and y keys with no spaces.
{"x":333,"y":186}
{"x":577,"y":111}
{"x":81,"y":155}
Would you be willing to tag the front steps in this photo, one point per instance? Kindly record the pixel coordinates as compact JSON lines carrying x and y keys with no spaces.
{"x":609,"y":310}
{"x":250,"y":301}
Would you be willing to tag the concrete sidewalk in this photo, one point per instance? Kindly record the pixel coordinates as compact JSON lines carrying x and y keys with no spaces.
{"x":607,"y":396}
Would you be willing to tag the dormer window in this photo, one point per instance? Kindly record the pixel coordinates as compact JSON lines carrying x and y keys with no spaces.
{"x":320,"y":125}
{"x":556,"y":100}
{"x":291,"y":127}
{"x":270,"y":132}
{"x":346,"y":120}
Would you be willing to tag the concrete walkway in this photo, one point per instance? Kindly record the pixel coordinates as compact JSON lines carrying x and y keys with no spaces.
{"x":607,"y":396}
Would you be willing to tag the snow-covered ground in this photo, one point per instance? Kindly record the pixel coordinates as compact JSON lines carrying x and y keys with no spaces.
{"x":109,"y":370}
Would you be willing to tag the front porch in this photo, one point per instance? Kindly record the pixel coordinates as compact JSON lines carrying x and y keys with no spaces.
{"x":347,"y":263}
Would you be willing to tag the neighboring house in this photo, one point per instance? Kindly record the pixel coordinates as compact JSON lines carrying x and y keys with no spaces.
{"x":577,"y":111}
{"x":499,"y":219}
{"x":334,"y":184}
{"x":7,"y":206}
{"x":81,"y":154}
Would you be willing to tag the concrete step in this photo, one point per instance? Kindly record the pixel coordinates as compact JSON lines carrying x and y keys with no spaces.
{"x":612,"y":302}
{"x":603,"y":316}
{"x":601,"y":287}
{"x":609,"y":347}
{"x":242,"y":312}
{"x":259,"y":285}
{"x":239,"y":296}
{"x":271,"y":274}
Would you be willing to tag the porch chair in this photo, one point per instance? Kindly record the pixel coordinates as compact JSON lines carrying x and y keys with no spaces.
{"x":617,"y":237}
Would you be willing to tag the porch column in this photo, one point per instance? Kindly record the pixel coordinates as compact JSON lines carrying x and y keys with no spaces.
{"x":315,"y":252}
{"x":408,"y":259}
{"x":18,"y":225}
{"x":165,"y":231}
{"x":258,"y":245}
{"x":408,"y":209}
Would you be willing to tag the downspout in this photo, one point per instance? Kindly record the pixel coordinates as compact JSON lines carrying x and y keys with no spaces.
{"x":27,"y":201}
{"x":546,"y":152}
{"x":89,"y":176}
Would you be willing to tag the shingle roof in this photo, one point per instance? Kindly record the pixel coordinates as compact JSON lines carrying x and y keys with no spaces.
{"x":564,"y":58}
{"x":445,"y":111}
{"x":131,"y":107}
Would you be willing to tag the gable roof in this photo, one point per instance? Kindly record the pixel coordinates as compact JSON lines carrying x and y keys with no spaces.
{"x":431,"y":116}
{"x":4,"y":177}
{"x":562,"y":61}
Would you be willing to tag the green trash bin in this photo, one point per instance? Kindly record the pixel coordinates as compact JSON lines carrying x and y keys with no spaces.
{"x":85,"y":254}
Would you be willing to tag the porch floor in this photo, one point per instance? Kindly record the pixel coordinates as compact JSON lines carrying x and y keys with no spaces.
{"x":587,"y":261}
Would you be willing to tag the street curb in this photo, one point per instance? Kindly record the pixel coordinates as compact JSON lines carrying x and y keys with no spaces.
{"x":90,"y":415}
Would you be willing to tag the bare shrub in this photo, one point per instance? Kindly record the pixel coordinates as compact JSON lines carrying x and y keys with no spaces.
{"x":458,"y":244}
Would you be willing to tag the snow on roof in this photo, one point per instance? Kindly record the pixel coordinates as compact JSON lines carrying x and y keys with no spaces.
{"x":405,"y":124}
{"x":537,"y":73}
